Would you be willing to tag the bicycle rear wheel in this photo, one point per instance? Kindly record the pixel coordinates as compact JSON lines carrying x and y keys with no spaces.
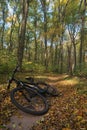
{"x":48,"y":89}
{"x":52,"y":91}
{"x":29,"y":101}
{"x":42,"y":87}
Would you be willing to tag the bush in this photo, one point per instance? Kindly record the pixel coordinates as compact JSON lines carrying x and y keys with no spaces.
{"x":81,"y":70}
{"x":4,"y":68}
{"x":7,"y":62}
{"x":35,"y":67}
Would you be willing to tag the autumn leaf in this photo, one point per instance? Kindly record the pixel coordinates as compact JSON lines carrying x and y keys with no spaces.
{"x":66,"y":129}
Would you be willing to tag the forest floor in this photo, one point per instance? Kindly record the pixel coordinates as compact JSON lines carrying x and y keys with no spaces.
{"x":67,"y":111}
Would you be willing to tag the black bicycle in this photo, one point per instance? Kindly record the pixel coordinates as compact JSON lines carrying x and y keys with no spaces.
{"x":27,"y":97}
{"x":43,"y":87}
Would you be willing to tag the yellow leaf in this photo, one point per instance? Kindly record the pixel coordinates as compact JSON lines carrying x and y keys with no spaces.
{"x":79,"y":118}
{"x":66,"y":129}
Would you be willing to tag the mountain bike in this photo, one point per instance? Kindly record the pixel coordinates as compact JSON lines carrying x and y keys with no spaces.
{"x":43,"y":87}
{"x":26,"y":97}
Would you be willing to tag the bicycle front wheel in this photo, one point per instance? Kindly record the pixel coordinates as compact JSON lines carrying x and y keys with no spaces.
{"x":29,"y":101}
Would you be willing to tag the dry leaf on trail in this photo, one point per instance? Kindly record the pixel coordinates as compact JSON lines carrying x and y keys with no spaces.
{"x":66,"y":129}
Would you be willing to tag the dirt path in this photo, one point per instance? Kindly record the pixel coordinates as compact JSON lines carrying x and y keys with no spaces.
{"x":67,"y":112}
{"x":22,"y":121}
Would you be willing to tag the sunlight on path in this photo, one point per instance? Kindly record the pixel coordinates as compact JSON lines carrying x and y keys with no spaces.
{"x":51,"y":77}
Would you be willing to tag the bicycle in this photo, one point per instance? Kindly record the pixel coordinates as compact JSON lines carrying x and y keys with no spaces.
{"x":26,"y":97}
{"x":43,"y":87}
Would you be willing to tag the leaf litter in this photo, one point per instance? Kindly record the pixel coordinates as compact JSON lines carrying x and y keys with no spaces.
{"x":67,"y":112}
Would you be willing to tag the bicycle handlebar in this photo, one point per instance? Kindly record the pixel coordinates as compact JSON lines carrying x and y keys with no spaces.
{"x":12,"y":77}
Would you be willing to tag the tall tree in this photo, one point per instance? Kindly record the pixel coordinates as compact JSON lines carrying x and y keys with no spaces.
{"x":82,"y":31}
{"x":4,"y":9}
{"x":13,"y":21}
{"x":62,"y":5}
{"x":21,"y":38}
{"x":44,"y":7}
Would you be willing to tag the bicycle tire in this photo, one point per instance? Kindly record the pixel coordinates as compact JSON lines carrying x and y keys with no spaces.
{"x":42,"y":86}
{"x":27,"y":104}
{"x":48,"y":89}
{"x":52,"y":91}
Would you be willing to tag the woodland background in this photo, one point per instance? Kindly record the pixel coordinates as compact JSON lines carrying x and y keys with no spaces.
{"x":48,"y":40}
{"x":45,"y":35}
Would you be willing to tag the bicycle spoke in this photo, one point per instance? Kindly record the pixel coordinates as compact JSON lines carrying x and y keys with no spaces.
{"x":29,"y":101}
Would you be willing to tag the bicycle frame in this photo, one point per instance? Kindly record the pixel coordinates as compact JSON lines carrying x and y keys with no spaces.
{"x":19,"y":82}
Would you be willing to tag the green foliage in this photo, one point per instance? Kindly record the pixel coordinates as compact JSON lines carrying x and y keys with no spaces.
{"x":7,"y":62}
{"x":54,"y":69}
{"x":34,"y":67}
{"x":2,"y":126}
{"x":60,"y":15}
{"x":81,"y":70}
{"x":4,"y":68}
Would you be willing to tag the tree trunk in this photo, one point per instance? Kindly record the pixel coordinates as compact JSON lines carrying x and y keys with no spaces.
{"x":51,"y":52}
{"x":3,"y":27}
{"x":81,"y":44}
{"x":42,"y":53}
{"x":35,"y":24}
{"x":11,"y":32}
{"x":74,"y":46}
{"x":69,"y":59}
{"x":61,"y":57}
{"x":82,"y":36}
{"x":21,"y":38}
{"x":56,"y":54}
{"x":45,"y":31}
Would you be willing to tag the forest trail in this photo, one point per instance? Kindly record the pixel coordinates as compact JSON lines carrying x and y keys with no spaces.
{"x":67,"y":111}
{"x":22,"y":121}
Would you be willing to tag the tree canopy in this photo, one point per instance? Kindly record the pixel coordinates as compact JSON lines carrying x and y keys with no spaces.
{"x":50,"y":32}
